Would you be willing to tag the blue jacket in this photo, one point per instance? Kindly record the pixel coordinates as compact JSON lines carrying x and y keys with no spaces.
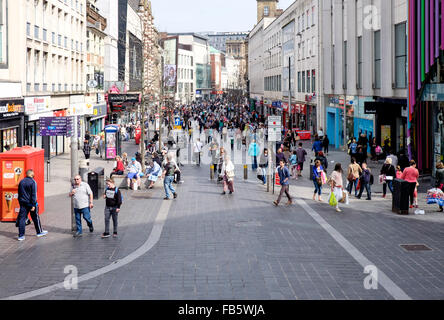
{"x":315,"y":172}
{"x":284,"y":174}
{"x":253,"y":150}
{"x":317,"y":146}
{"x":27,"y":192}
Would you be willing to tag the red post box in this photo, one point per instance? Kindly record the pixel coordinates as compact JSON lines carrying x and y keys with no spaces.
{"x":13,"y":167}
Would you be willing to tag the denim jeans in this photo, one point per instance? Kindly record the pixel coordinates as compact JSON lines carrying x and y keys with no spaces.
{"x":86,"y":215}
{"x":350,"y":186}
{"x":388,"y":183}
{"x":167,"y":184}
{"x":318,"y":188}
{"x":367,"y":187}
{"x":254,"y":165}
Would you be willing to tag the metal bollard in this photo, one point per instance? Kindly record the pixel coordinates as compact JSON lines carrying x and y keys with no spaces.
{"x":48,"y":166}
{"x":212,"y":172}
{"x":245,"y":172}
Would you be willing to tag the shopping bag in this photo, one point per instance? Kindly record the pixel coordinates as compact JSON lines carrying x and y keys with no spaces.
{"x":358,"y":187}
{"x":381,"y":178}
{"x":333,"y":202}
{"x":323,"y":177}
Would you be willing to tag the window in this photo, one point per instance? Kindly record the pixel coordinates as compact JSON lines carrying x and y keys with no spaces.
{"x":313,"y":79}
{"x":45,"y":35}
{"x":308,"y":81}
{"x":28,"y":29}
{"x":308,"y":19}
{"x":400,"y":56}
{"x":344,"y":71}
{"x":266,"y":11}
{"x":313,"y":15}
{"x":303,"y":81}
{"x":299,"y":82}
{"x":377,"y":55}
{"x":59,"y":40}
{"x":53,"y":38}
{"x":313,"y":44}
{"x":65,"y":43}
{"x":36,"y":32}
{"x":360,"y":63}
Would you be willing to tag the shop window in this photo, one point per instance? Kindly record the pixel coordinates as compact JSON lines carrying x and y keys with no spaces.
{"x":378,"y":58}
{"x":8,"y":139}
{"x":401,"y":56}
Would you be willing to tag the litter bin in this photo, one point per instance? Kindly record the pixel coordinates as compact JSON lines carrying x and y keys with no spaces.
{"x":83,"y":169}
{"x":400,"y":202}
{"x":95,"y":181}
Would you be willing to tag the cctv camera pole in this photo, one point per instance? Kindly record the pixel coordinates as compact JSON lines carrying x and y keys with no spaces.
{"x":74,"y":165}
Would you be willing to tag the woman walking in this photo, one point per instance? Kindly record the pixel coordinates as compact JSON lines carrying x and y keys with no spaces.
{"x":337,"y":184}
{"x":325,"y":144}
{"x":263,"y":164}
{"x":317,"y":180}
{"x":294,"y":165}
{"x":411,"y":175}
{"x":388,"y":170}
{"x":354,"y":171}
{"x":228,"y":175}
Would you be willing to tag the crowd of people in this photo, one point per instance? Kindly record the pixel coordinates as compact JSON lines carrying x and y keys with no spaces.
{"x":221,"y":126}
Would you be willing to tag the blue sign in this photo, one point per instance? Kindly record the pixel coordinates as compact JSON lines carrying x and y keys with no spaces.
{"x":177,"y":122}
{"x":198,"y":91}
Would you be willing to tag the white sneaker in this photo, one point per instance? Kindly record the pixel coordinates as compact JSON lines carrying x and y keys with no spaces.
{"x":42,"y":234}
{"x":21,"y":238}
{"x":338,"y":210}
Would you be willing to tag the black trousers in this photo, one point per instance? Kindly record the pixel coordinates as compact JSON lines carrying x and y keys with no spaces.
{"x":412,"y":187}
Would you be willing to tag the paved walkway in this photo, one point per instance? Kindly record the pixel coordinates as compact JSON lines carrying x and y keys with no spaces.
{"x":228,"y":247}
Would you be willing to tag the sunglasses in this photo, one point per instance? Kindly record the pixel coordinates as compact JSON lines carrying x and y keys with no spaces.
{"x":76,"y":179}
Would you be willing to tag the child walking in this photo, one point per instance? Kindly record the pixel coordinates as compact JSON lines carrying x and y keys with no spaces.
{"x":112,"y":208}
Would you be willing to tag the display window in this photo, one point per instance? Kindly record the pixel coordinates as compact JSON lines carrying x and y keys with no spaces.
{"x":8,"y":139}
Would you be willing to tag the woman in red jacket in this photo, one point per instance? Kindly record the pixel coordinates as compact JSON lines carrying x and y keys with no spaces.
{"x":119,"y":169}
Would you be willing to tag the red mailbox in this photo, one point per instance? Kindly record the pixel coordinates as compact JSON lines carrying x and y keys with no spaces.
{"x":13,"y":167}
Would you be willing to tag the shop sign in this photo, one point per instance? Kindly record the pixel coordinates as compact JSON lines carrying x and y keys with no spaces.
{"x":370,"y":107}
{"x":60,"y":113}
{"x":77,"y":109}
{"x":11,"y":110}
{"x":37,"y":104}
{"x":100,"y":110}
{"x":115,"y":98}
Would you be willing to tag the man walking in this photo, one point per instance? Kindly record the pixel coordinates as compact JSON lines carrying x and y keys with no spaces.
{"x":83,"y":203}
{"x":168,"y":177}
{"x":27,"y":197}
{"x":301,"y":156}
{"x":197,"y":150}
{"x":284,"y":176}
{"x":113,"y":202}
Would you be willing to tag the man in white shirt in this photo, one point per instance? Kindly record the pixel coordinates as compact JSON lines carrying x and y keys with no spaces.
{"x":321,"y":134}
{"x":197,"y":150}
{"x":134,"y":170}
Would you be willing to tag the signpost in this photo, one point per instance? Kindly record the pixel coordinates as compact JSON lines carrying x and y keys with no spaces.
{"x":274,"y":135}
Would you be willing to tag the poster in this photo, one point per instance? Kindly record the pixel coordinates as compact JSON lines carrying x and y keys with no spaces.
{"x":386,"y":135}
{"x":10,"y":205}
{"x":12,"y":173}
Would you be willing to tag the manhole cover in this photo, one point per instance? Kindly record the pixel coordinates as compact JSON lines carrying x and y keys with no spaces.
{"x":415,"y":247}
{"x":141,"y":195}
{"x":245,"y":224}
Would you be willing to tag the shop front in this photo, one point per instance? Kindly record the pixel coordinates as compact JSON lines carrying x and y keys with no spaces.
{"x":118,"y":106}
{"x":12,"y":124}
{"x":96,"y":121}
{"x":391,"y":123}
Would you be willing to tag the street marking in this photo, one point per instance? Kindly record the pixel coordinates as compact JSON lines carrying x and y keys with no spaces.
{"x":147,"y":246}
{"x":396,"y":292}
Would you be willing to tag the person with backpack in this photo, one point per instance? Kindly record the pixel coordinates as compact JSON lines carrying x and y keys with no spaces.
{"x":321,"y":157}
{"x":114,"y":200}
{"x":366,"y":182}
{"x":284,"y":176}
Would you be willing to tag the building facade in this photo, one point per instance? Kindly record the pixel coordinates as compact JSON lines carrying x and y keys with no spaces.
{"x":218,"y":40}
{"x":364,"y":71}
{"x":426,"y":83}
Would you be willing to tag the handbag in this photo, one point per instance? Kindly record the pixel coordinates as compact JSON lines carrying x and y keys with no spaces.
{"x":319,"y":181}
{"x":382,"y":178}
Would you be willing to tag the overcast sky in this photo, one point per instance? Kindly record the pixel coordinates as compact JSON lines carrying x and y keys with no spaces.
{"x":206,"y":15}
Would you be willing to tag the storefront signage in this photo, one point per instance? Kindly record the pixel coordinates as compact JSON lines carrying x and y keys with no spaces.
{"x":370,"y":107}
{"x":11,"y":109}
{"x":100,"y":110}
{"x":37,"y":104}
{"x":124,"y":98}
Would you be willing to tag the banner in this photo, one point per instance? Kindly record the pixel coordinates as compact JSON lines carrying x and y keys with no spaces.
{"x":169,"y":75}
